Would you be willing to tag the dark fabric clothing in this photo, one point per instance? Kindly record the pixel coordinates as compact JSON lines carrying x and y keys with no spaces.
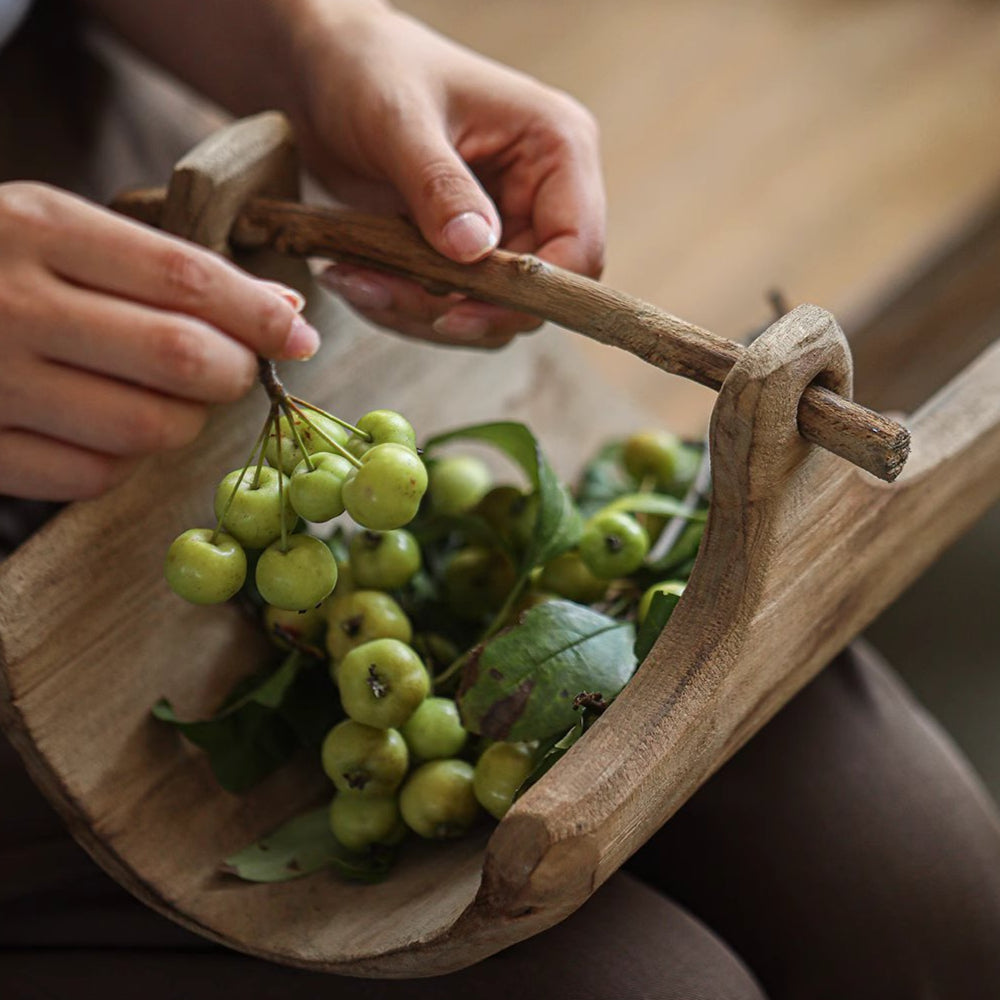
{"x":846,"y":851}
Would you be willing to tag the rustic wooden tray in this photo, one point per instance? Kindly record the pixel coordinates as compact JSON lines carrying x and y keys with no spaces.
{"x":802,"y":550}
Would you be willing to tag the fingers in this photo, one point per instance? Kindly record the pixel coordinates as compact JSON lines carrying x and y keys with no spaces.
{"x":168,"y":352}
{"x":99,"y":414}
{"x":448,"y":204}
{"x":568,"y":217}
{"x":404,"y":306}
{"x":129,"y":260}
{"x":40,"y":468}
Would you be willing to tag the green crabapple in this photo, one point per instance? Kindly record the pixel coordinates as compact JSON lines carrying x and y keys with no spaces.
{"x":438,"y":800}
{"x":511,"y":513}
{"x":457,"y":483}
{"x":316,"y":439}
{"x":662,"y":457}
{"x":359,"y":822}
{"x":613,"y":544}
{"x":477,"y":581}
{"x":298,"y":576}
{"x":204,"y":571}
{"x":384,"y":560}
{"x":382,"y":682}
{"x":284,"y":627}
{"x":568,"y":576}
{"x":316,"y":494}
{"x":363,"y":760}
{"x":385,"y":492}
{"x":256,"y":511}
{"x":435,"y":729}
{"x":500,"y":771}
{"x":382,"y":427}
{"x":360,"y":616}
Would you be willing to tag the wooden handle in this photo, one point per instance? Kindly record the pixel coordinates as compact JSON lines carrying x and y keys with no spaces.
{"x":522,"y":282}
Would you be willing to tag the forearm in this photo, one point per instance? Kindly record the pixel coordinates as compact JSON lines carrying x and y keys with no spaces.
{"x":242,"y":54}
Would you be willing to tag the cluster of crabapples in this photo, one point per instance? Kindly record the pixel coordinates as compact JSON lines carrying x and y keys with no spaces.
{"x":317,"y":467}
{"x":614,"y":542}
{"x":402,"y":760}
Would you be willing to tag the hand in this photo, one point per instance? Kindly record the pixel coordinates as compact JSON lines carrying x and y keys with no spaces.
{"x":115,"y":339}
{"x":393,"y":116}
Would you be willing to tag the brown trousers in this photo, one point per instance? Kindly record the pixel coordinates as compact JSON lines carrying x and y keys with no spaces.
{"x":847,"y":852}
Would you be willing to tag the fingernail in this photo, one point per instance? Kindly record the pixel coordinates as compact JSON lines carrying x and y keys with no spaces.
{"x":295,"y":299}
{"x":359,"y":291}
{"x":302,"y":341}
{"x":461,"y":327}
{"x":469,"y":236}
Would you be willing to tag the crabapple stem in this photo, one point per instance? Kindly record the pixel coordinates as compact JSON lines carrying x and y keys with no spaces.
{"x":259,"y":443}
{"x":326,"y":437}
{"x":272,"y":422}
{"x":289,"y":416}
{"x":267,"y":375}
{"x":332,"y":416}
{"x":281,"y":476}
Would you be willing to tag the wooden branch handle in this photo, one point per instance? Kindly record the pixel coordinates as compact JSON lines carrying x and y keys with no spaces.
{"x":522,"y":282}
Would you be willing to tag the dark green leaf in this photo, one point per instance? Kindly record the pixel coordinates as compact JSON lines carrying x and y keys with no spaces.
{"x":247,"y":739}
{"x":603,"y":479}
{"x":242,"y":747}
{"x":660,"y":609}
{"x":681,"y":553}
{"x":302,"y":846}
{"x":520,"y":684}
{"x":311,"y":705}
{"x":558,"y":525}
{"x":550,"y":752}
{"x":656,"y":503}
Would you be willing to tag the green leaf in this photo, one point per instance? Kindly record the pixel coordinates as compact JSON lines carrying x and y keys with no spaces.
{"x":603,"y":480}
{"x":680,"y":554}
{"x":660,"y":609}
{"x":247,"y":739}
{"x":302,"y":846}
{"x":520,"y":684}
{"x":558,"y":525}
{"x":242,"y":748}
{"x":311,"y":705}
{"x":549,"y":753}
{"x":656,"y":503}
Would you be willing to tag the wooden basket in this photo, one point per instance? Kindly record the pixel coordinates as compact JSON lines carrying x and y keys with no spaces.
{"x":802,"y":550}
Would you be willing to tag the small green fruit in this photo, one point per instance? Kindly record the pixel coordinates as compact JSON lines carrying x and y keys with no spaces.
{"x":382,"y":682}
{"x":457,"y":483}
{"x":500,"y":771}
{"x":435,"y":730}
{"x":359,"y":822}
{"x":202,"y":571}
{"x":438,"y":800}
{"x":362,"y":760}
{"x":298,"y":577}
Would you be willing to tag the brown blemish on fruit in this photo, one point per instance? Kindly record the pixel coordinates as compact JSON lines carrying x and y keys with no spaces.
{"x":352,"y":626}
{"x":378,"y":687}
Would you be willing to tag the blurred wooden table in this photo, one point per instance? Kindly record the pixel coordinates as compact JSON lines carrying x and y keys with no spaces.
{"x":817,"y":146}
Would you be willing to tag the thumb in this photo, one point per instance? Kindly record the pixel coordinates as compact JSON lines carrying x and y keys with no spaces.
{"x":453,"y":212}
